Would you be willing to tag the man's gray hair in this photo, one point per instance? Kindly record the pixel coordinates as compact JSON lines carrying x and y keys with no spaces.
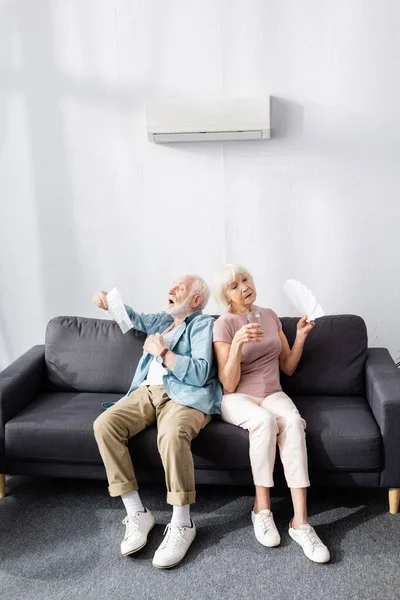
{"x":200,"y":287}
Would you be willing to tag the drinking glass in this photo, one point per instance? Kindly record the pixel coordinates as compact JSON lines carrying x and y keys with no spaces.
{"x":253,"y":316}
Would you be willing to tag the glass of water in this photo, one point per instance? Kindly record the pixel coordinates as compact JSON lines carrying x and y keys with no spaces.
{"x":253,"y":316}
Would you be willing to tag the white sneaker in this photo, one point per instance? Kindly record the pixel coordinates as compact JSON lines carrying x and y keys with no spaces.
{"x":312,"y":546}
{"x":265,"y":528}
{"x":174,"y":546}
{"x":138,"y":526}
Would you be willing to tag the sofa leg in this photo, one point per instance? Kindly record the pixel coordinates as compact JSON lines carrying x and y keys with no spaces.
{"x":2,"y":485}
{"x":394,"y":499}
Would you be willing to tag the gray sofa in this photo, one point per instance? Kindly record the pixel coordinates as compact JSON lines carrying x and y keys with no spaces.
{"x":349,"y":395}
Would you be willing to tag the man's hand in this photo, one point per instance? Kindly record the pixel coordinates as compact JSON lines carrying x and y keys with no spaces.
{"x":100,"y":300}
{"x":154,"y":344}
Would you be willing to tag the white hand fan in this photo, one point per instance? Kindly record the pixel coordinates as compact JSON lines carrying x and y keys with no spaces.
{"x":303,"y":299}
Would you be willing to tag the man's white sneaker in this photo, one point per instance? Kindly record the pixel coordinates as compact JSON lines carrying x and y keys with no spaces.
{"x":138,"y":526}
{"x":265,"y":528}
{"x":174,"y":546}
{"x":312,"y":546}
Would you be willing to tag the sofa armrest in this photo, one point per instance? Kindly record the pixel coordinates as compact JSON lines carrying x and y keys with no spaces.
{"x":382,"y":383}
{"x":20,"y":383}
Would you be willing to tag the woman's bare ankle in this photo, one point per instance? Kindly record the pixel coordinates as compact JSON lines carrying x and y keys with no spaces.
{"x":261,"y":506}
{"x":297,"y":523}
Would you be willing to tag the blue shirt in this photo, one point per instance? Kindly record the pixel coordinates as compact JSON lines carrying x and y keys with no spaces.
{"x":194,"y":379}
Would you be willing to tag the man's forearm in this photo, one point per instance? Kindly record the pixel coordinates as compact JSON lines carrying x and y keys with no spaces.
{"x":193,"y":371}
{"x":169,"y":360}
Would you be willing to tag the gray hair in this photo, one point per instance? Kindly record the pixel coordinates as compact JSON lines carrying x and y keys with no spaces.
{"x":223,"y":278}
{"x":200,"y":287}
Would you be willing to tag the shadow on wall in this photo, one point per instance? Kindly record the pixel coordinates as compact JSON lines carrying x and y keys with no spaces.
{"x":287,"y":118}
{"x":32,"y":74}
{"x":39,"y":84}
{"x":5,"y":347}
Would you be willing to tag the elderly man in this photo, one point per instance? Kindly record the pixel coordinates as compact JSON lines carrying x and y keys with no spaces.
{"x":176,"y":386}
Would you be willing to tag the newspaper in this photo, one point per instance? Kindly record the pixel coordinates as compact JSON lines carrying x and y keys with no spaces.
{"x":117,"y":310}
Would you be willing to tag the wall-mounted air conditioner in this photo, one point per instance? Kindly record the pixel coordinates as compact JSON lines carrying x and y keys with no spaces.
{"x":208,"y":120}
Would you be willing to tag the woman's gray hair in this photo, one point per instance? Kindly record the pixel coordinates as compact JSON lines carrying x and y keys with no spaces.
{"x":200,"y":287}
{"x":223,"y":278}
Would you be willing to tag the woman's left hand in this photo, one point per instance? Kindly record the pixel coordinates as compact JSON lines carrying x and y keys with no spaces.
{"x":304,"y":328}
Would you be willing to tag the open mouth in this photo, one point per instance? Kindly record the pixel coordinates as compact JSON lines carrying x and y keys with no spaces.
{"x":170,"y":302}
{"x":248,"y":295}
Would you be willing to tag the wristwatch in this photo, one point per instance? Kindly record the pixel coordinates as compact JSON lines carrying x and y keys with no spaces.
{"x":160,"y":357}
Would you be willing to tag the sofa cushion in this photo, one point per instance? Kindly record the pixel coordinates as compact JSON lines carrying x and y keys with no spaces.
{"x":341,"y":434}
{"x":58,"y":426}
{"x":333,"y":360}
{"x":91,"y":355}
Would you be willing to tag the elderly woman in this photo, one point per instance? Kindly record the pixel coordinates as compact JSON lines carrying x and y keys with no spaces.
{"x":249,"y":357}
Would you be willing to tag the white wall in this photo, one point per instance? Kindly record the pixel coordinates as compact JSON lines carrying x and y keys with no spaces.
{"x":87,"y":203}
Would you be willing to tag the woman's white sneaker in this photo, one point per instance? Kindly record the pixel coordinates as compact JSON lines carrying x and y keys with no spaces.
{"x":312,"y":546}
{"x":174,"y":546}
{"x":265,"y":529}
{"x":138,"y":526}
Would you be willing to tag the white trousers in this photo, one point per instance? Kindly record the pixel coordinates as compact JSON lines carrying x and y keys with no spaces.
{"x":268,"y":421}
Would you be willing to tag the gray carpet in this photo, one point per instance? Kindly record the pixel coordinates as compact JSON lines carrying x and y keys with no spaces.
{"x":59,"y":539}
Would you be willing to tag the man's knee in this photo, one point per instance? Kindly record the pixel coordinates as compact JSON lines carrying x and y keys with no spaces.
{"x":104,"y":425}
{"x":173,"y":436}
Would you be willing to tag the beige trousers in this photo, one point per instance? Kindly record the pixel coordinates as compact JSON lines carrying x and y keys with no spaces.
{"x":177,"y":426}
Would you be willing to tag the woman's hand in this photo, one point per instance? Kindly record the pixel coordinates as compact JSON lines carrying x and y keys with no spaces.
{"x":100,"y":300}
{"x":304,"y":328}
{"x":248,"y":333}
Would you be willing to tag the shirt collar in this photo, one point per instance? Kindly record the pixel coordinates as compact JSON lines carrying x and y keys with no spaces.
{"x":192,"y":315}
{"x":187,"y":319}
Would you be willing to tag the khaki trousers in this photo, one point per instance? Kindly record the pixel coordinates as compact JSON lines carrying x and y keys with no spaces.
{"x":177,"y":426}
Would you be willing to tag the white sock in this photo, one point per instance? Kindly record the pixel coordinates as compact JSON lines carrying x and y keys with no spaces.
{"x":132,"y":502}
{"x":181,"y":516}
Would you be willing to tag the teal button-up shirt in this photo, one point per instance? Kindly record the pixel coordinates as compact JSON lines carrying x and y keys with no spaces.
{"x":194,"y":380}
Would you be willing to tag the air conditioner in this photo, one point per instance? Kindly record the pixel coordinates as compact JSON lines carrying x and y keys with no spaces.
{"x":208,"y":120}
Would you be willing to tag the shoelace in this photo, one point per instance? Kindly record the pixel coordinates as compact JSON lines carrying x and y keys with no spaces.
{"x":173,"y":537}
{"x":132,"y":524}
{"x":266,"y":521}
{"x":312,"y":538}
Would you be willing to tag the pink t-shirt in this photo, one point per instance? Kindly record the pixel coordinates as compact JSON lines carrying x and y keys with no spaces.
{"x":259,"y":365}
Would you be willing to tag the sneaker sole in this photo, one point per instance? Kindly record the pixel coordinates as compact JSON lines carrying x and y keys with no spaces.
{"x":320,"y":562}
{"x":268,"y":545}
{"x":168,"y":566}
{"x":140,"y":547}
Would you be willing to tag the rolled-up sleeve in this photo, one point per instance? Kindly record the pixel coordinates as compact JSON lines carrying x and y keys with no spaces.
{"x":195,"y":369}
{"x":142,"y":322}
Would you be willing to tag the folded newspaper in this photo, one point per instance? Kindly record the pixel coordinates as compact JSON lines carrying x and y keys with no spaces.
{"x":117,"y":310}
